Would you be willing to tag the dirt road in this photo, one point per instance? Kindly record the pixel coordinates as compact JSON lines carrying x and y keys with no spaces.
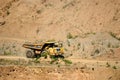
{"x":77,"y":62}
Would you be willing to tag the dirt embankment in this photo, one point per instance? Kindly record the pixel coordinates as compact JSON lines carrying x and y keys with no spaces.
{"x":17,"y":68}
{"x":47,"y":73}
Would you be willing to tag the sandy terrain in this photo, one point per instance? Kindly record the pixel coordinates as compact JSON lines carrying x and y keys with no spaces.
{"x":17,"y":68}
{"x":46,"y":73}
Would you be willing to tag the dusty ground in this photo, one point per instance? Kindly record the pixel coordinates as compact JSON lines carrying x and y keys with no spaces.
{"x":17,"y":68}
{"x":48,"y":73}
{"x":88,"y":29}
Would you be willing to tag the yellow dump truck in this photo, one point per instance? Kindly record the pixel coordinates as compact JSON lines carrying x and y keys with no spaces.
{"x":52,"y":48}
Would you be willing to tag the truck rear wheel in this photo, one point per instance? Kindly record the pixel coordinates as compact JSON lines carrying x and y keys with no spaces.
{"x":30,"y":54}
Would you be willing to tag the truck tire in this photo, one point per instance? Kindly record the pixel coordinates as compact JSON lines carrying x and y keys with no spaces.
{"x":30,"y":54}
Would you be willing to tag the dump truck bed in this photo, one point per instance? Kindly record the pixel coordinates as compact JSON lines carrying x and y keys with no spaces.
{"x":33,"y":46}
{"x":38,"y":46}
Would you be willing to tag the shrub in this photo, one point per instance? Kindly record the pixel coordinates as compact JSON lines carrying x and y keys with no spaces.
{"x":114,"y":35}
{"x":7,"y":53}
{"x":114,"y":67}
{"x":108,"y":65}
{"x":69,"y":36}
{"x":39,"y":11}
{"x":7,"y":12}
{"x":67,"y":61}
{"x":97,"y":51}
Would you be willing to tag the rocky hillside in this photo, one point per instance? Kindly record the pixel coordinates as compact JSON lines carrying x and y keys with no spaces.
{"x":51,"y":19}
{"x":87,"y":27}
